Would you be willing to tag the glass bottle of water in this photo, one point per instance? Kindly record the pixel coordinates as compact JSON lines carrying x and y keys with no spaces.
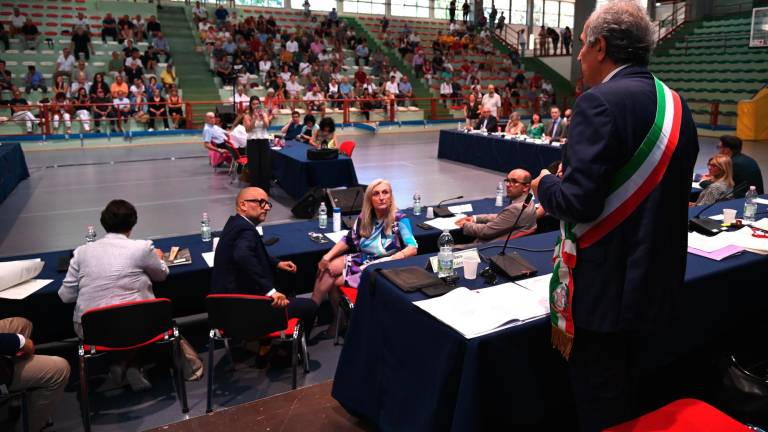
{"x":416,"y":204}
{"x":500,"y":194}
{"x":750,"y":206}
{"x":205,"y":228}
{"x":322,"y":216}
{"x":90,"y":234}
{"x":445,"y":256}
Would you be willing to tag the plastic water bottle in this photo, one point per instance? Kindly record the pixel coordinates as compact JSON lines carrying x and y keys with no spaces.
{"x":483,"y":130}
{"x":90,"y":235}
{"x":205,"y":228}
{"x":416,"y":204}
{"x":322,"y":216}
{"x":336,"y":219}
{"x":750,"y":206}
{"x":500,"y":195}
{"x":459,"y":127}
{"x":445,"y":256}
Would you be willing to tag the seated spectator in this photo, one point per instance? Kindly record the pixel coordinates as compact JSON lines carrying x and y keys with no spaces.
{"x":134,"y":67}
{"x":123,"y":109}
{"x":81,"y":44}
{"x":242,"y":264}
{"x":380,"y":233}
{"x":718,"y":182}
{"x":103,"y":108}
{"x":446,"y":91}
{"x":293,"y":128}
{"x":362,"y":53}
{"x":99,"y":83}
{"x":221,"y":15}
{"x":6,"y":77}
{"x":61,"y":109}
{"x":294,"y":88}
{"x":405,"y":91}
{"x":315,"y":101}
{"x":309,"y":129}
{"x":116,"y":65}
{"x":64,"y":64}
{"x":366,"y":104}
{"x":175,"y":109}
{"x":140,"y":107}
{"x":157,"y":109}
{"x":116,"y":269}
{"x":240,"y":99}
{"x":325,"y":135}
{"x":118,"y":86}
{"x":81,"y":70}
{"x":486,"y":121}
{"x":42,"y":377}
{"x":515,"y":126}
{"x":34,"y":80}
{"x":30,"y":35}
{"x":153,"y":87}
{"x":334,"y":93}
{"x":214,"y":137}
{"x":199,"y":13}
{"x":392,"y":85}
{"x":489,"y":227}
{"x":154,"y":32}
{"x":83,"y":108}
{"x":224,"y":71}
{"x":60,"y":85}
{"x":557,"y":129}
{"x":137,"y":89}
{"x":745,"y":170}
{"x":17,"y":22}
{"x":168,"y":77}
{"x":150,"y":58}
{"x":536,"y":128}
{"x":139,"y":25}
{"x":20,"y":110}
{"x":108,"y":28}
{"x":345,"y":88}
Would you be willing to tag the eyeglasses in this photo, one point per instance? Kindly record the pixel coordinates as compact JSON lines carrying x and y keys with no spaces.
{"x":261,"y":202}
{"x":512,"y":181}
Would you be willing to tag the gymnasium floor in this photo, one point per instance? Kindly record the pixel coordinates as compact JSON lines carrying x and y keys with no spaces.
{"x":171,"y":185}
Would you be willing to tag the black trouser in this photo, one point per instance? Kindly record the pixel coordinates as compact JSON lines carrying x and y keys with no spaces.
{"x":303,"y":309}
{"x":161,"y":113}
{"x":97,"y":116}
{"x":259,"y":163}
{"x":111,"y":32}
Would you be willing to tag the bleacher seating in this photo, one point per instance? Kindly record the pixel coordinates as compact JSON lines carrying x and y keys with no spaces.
{"x":713,"y":64}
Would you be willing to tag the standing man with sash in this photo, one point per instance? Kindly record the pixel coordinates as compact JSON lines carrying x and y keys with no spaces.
{"x":619,"y":265}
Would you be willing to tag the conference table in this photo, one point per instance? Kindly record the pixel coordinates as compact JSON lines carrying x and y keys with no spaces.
{"x":188,"y":284}
{"x":13,"y":168}
{"x":403,"y":370}
{"x":496,"y":153}
{"x":297,"y":175}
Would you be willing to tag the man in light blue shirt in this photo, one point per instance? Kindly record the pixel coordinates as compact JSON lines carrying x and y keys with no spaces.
{"x":405,"y":90}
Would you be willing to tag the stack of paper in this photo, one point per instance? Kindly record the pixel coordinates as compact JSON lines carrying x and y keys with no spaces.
{"x":447,"y":223}
{"x":475,"y":313}
{"x":336,"y":236}
{"x":16,"y":278}
{"x":463,"y":208}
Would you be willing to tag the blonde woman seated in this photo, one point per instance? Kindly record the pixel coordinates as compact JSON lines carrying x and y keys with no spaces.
{"x":381,"y":233}
{"x":720,"y":177}
{"x":514,"y":125}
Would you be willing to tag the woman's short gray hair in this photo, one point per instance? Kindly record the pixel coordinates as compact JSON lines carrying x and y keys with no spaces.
{"x":627,"y":31}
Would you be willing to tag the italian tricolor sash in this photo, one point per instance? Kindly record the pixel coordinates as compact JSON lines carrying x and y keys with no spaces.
{"x":628,"y":188}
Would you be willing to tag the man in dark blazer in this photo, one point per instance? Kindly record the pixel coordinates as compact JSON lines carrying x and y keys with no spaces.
{"x":42,"y":377}
{"x":486,"y":120}
{"x":626,"y":282}
{"x":242,"y":264}
{"x":557,"y":129}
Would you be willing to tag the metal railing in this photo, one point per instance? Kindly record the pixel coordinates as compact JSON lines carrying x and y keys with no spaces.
{"x":667,"y":25}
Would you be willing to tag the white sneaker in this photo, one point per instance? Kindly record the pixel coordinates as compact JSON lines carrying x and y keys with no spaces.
{"x":150,"y":130}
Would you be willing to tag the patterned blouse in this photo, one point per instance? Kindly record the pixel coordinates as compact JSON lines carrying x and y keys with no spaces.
{"x":364,"y":250}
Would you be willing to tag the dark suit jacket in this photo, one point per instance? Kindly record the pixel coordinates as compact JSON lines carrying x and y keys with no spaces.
{"x":242,"y":264}
{"x":631,"y":278}
{"x":560,"y":133}
{"x":492,"y":124}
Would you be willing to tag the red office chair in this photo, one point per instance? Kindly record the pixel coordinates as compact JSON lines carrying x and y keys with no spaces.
{"x":684,"y":415}
{"x":251,"y":317}
{"x":238,"y":160}
{"x":346,"y":304}
{"x":128,"y":326}
{"x":347,"y":147}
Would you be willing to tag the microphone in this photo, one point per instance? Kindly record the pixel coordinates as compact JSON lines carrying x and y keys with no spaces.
{"x":444,"y":212}
{"x":707,"y":226}
{"x":512,"y":266}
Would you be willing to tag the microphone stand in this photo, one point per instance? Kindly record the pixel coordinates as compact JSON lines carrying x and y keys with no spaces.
{"x":710,"y":227}
{"x":444,"y":212}
{"x":512,"y":266}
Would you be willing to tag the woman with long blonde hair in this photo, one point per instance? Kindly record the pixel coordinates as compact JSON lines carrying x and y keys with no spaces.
{"x":380,"y":233}
{"x":721,"y":177}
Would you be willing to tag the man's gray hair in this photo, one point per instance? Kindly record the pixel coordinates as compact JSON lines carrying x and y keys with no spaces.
{"x":627,"y":31}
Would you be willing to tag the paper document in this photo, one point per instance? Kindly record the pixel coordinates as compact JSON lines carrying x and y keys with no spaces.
{"x":539,"y":285}
{"x":458,"y":258}
{"x":336,"y":236}
{"x":208,"y":257}
{"x":744,"y":238}
{"x":24,"y":289}
{"x":13,"y":273}
{"x":762,"y":224}
{"x":761,"y":200}
{"x":709,"y":244}
{"x":719,"y":254}
{"x":463,"y":208}
{"x":695,"y":185}
{"x":475,"y":313}
{"x":448,"y":223}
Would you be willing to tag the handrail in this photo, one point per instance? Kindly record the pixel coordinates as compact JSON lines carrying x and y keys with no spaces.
{"x":667,"y":25}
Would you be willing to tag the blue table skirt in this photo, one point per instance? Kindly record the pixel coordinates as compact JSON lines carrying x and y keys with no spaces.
{"x":496,"y":153}
{"x":297,"y":175}
{"x":13,"y":168}
{"x":403,"y":370}
{"x":187,"y":285}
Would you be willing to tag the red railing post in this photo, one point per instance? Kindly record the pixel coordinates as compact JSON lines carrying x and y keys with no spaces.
{"x":433,"y":108}
{"x":188,"y":115}
{"x":714,"y":112}
{"x":392,"y":107}
{"x":345,"y":108}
